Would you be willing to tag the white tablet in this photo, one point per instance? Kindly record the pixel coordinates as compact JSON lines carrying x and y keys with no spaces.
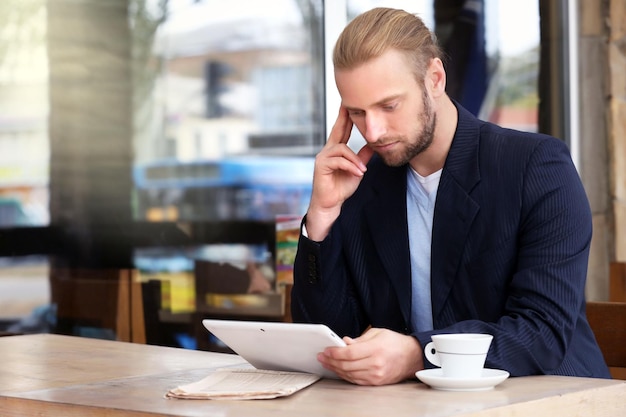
{"x":277,"y":346}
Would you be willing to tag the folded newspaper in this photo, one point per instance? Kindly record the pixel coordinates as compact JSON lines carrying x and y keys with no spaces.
{"x":244,"y":384}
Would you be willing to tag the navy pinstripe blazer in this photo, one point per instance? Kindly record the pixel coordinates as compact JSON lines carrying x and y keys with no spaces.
{"x":510,"y":245}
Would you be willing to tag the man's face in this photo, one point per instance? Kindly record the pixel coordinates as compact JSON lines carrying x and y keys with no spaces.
{"x":390,"y":108}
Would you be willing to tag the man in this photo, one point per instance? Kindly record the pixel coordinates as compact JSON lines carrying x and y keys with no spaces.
{"x":441,"y":224}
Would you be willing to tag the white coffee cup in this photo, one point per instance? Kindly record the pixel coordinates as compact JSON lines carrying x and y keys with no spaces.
{"x":459,"y":355}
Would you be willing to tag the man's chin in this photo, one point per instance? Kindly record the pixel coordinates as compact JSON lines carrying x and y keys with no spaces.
{"x":393,"y":161}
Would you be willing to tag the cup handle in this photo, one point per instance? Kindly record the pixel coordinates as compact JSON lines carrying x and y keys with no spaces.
{"x":431,"y":354}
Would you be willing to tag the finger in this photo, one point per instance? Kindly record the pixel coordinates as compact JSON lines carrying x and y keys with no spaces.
{"x":365,"y":154}
{"x":360,"y":159}
{"x":342,"y":365}
{"x":355,"y":377}
{"x":340,"y":133}
{"x":348,"y":125}
{"x":353,"y":352}
{"x":357,"y":371}
{"x":327,"y":364}
{"x":346,"y":161}
{"x":369,"y":334}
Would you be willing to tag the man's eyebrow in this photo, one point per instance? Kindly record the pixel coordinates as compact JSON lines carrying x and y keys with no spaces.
{"x":387,"y":99}
{"x":381,"y":102}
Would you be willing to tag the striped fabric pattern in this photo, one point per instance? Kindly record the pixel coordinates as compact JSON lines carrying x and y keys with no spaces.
{"x":510,"y":246}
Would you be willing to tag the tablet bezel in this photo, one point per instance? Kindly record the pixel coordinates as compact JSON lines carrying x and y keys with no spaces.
{"x":277,"y":345}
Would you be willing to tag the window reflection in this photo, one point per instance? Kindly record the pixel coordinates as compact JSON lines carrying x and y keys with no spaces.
{"x":234,"y":113}
{"x":493,"y":53}
{"x":512,"y":33}
{"x":24,"y":162}
{"x":24,"y":148}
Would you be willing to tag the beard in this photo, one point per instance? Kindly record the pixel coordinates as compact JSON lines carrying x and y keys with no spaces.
{"x":422,"y":138}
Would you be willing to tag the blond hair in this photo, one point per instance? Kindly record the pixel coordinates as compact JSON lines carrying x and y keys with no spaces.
{"x":374,"y":32}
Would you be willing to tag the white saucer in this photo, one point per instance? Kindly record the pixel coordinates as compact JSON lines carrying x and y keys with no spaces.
{"x":489,"y":379}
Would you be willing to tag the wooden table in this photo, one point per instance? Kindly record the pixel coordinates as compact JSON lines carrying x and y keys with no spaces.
{"x":52,"y":375}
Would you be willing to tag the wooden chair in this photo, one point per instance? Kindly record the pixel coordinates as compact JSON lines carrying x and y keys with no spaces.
{"x":617,"y":282}
{"x":608,"y":322}
{"x":98,"y":298}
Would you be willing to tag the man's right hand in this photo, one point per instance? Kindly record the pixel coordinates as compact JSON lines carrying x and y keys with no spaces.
{"x":337,"y":174}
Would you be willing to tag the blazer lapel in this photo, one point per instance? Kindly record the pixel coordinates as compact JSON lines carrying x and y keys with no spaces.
{"x":455,"y":209}
{"x":386,"y":215}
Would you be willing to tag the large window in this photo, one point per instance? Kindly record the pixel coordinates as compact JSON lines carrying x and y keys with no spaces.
{"x":221,"y":90}
{"x":24,"y":147}
{"x":233,"y":111}
{"x":492,"y":49}
{"x":24,"y":155}
{"x":228,"y":102}
{"x":228,"y":120}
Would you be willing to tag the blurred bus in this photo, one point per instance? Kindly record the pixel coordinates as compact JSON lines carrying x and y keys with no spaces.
{"x":247,"y":188}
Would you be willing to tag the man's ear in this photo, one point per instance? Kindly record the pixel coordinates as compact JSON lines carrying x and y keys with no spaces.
{"x":436,"y":78}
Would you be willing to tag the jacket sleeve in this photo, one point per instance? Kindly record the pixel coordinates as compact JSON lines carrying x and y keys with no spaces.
{"x":323,"y":291}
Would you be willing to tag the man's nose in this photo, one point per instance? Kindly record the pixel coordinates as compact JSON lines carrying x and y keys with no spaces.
{"x":374,"y":127}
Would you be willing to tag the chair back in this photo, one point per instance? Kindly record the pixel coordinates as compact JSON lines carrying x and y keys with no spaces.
{"x":102,"y":299}
{"x":617,"y":282}
{"x":608,"y":322}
